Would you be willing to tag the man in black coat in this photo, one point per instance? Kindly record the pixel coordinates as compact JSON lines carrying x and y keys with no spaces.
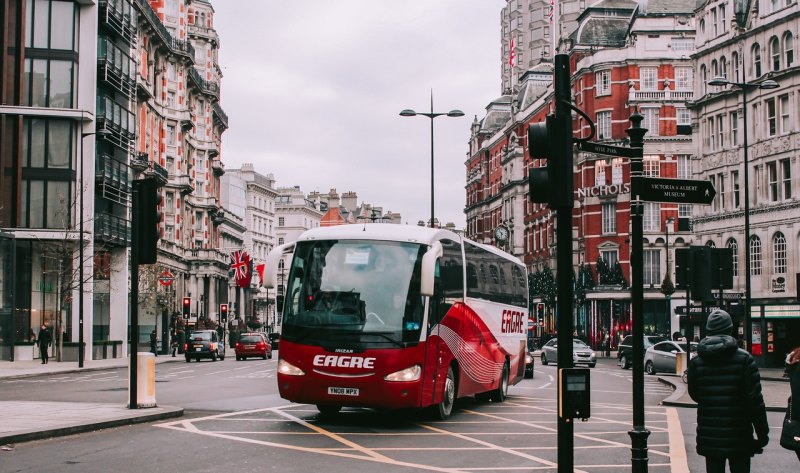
{"x":725,"y":383}
{"x":44,"y":342}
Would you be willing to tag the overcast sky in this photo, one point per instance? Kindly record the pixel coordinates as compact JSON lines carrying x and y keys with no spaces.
{"x":313,"y":91}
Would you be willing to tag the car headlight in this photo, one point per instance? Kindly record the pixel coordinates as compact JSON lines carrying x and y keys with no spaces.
{"x":284,"y":367}
{"x":594,"y":354}
{"x":409,"y":374}
{"x":528,"y":359}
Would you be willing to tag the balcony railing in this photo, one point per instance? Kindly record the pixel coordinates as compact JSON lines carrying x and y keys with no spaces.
{"x":161,"y":173}
{"x":679,"y":95}
{"x":218,"y":167}
{"x":118,"y":16}
{"x":118,"y":123}
{"x":183,"y":183}
{"x":177,"y":46}
{"x":219,"y":115}
{"x":205,"y":86}
{"x":115,"y":67}
{"x":112,"y":229}
{"x":113,"y":179}
{"x":197,"y":30}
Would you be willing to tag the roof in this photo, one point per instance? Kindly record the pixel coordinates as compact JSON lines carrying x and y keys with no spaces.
{"x":667,"y":7}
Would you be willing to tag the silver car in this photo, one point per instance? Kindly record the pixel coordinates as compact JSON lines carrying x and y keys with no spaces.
{"x":662,"y":357}
{"x":581,"y":353}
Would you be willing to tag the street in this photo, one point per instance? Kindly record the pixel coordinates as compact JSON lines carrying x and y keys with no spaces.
{"x":235,"y":420}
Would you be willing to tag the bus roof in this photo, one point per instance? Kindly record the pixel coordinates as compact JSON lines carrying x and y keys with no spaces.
{"x":394,"y":232}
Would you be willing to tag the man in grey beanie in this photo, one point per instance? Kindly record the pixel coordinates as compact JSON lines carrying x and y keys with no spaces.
{"x":725,"y":383}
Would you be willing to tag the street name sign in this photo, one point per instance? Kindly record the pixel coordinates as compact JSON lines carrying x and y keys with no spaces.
{"x":609,"y":150}
{"x":682,"y":191}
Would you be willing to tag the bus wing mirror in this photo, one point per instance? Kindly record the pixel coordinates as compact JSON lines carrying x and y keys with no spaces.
{"x":429,"y":268}
{"x":271,"y":269}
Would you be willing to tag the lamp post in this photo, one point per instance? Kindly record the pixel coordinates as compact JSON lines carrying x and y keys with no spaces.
{"x":745,"y":86}
{"x":431,"y":115}
{"x":375,"y":217}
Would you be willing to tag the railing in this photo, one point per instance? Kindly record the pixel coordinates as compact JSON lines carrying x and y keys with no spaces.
{"x":218,"y":167}
{"x":182,"y":47}
{"x":205,"y":86}
{"x":662,"y":95}
{"x":160,"y":172}
{"x":112,"y":115}
{"x":113,"y":229}
{"x":210,"y":33}
{"x":118,"y":67}
{"x":220,"y":114}
{"x":210,"y":255}
{"x":110,"y":171}
{"x":177,"y":46}
{"x":118,"y":15}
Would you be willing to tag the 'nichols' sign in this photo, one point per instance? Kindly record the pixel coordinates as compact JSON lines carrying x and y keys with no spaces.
{"x":600,"y":191}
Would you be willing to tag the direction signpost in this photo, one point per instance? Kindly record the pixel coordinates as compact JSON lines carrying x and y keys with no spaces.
{"x":609,"y":150}
{"x":682,"y":191}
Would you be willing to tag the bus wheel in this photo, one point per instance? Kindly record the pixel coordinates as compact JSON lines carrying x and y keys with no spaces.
{"x":445,"y":408}
{"x":328,"y":410}
{"x":501,"y":393}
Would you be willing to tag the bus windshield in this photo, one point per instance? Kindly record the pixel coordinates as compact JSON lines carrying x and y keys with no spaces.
{"x":358,"y":292}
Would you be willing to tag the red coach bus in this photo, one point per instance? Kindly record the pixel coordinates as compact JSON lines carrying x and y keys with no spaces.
{"x":396,"y":316}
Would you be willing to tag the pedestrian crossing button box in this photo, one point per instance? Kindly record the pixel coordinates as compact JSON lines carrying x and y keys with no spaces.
{"x":573,"y":393}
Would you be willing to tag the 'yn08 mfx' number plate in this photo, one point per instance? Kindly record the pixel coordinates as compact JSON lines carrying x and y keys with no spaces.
{"x":343,"y":391}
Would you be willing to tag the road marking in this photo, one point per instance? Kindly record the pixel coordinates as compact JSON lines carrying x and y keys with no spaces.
{"x":679,"y":463}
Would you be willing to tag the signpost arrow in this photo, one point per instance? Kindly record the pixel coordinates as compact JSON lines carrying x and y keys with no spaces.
{"x":682,"y":191}
{"x":609,"y":150}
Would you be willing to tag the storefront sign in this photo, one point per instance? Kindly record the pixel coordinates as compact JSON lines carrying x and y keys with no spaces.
{"x":779,"y":284}
{"x":601,"y":191}
{"x":166,"y":278}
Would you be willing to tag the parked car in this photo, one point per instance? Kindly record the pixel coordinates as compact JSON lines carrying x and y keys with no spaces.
{"x":662,"y":357}
{"x":203,"y":344}
{"x":274,"y":338}
{"x":529,"y":365}
{"x":253,"y":344}
{"x":581,"y":353}
{"x":625,"y":348}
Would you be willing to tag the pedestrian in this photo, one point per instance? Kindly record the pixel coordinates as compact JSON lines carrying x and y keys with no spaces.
{"x":793,"y":369}
{"x":174,"y":342}
{"x":153,"y":342}
{"x":44,"y":341}
{"x":725,"y":382}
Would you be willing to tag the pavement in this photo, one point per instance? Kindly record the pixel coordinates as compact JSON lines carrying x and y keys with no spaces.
{"x":23,"y":421}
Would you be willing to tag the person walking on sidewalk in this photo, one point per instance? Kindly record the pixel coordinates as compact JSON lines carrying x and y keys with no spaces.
{"x":725,"y":382}
{"x":154,"y":342}
{"x":44,"y":341}
{"x":793,"y":370}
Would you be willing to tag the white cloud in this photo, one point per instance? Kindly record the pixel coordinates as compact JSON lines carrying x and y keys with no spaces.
{"x":313,"y":93}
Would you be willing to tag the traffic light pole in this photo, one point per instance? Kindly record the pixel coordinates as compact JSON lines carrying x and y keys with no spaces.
{"x":133,"y":402}
{"x":639,"y":433}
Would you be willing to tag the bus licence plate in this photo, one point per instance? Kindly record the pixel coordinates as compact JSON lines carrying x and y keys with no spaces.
{"x":343,"y":391}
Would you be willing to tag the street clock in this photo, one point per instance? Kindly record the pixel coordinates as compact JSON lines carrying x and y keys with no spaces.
{"x":501,"y":234}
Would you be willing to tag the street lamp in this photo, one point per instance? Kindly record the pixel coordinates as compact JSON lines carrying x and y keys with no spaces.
{"x":745,"y":86}
{"x":431,"y":115}
{"x":375,"y":217}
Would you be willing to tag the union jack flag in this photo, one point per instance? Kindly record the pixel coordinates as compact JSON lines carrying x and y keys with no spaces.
{"x":240,"y":265}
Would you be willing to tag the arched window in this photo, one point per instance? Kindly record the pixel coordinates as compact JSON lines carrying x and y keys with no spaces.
{"x":703,"y":79}
{"x":711,"y":244}
{"x":714,"y":69}
{"x":723,"y":67}
{"x":778,"y":253}
{"x":734,"y":247}
{"x":788,"y":51}
{"x":756,"y":61}
{"x":735,"y":65}
{"x":755,"y":256}
{"x":775,"y":53}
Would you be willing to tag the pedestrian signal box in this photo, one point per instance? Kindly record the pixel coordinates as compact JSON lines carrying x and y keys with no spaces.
{"x":573,"y":393}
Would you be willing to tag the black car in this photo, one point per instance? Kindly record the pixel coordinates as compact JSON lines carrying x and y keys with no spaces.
{"x":203,"y":344}
{"x":274,"y":338}
{"x":625,"y":349}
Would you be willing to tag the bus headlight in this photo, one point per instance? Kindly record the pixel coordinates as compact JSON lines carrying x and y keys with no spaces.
{"x":408,"y":374}
{"x":289,"y":369}
{"x":528,"y":359}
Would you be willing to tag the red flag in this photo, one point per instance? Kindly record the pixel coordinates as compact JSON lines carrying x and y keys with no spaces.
{"x":260,"y":269}
{"x":240,"y":264}
{"x":512,"y":54}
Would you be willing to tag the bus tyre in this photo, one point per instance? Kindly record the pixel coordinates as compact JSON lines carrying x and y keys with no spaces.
{"x":501,"y":393}
{"x":328,"y":410}
{"x":445,"y":408}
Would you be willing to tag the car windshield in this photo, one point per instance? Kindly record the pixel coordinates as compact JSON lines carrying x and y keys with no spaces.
{"x":652,"y":340}
{"x":363,"y":292}
{"x":579,"y":344}
{"x":250,"y":339}
{"x":200,"y":336}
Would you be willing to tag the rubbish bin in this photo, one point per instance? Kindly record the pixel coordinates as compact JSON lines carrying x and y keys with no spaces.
{"x":681,"y":363}
{"x":145,"y":379}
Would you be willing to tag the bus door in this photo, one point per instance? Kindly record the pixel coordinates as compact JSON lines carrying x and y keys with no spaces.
{"x":433,"y":344}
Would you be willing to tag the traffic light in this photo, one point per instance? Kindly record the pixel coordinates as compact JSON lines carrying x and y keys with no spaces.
{"x":552,"y":141}
{"x":223,"y":312}
{"x":279,"y":303}
{"x":146,"y":220}
{"x":187,"y":307}
{"x":540,"y":314}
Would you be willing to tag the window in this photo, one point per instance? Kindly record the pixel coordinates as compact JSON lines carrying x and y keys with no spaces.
{"x":281,"y":221}
{"x":755,"y":256}
{"x":714,"y":69}
{"x":600,"y":172}
{"x":616,"y":171}
{"x":171,"y":136}
{"x":735,"y":65}
{"x":684,"y":166}
{"x":735,"y":189}
{"x":714,"y":203}
{"x":610,"y":257}
{"x":788,"y":50}
{"x":171,"y":71}
{"x":756,"y":54}
{"x":785,"y":109}
{"x":652,"y":166}
{"x":169,"y":202}
{"x":602,"y":83}
{"x":683,"y":44}
{"x":720,"y":131}
{"x":778,"y":254}
{"x":651,"y":117}
{"x":703,"y":79}
{"x":684,"y":78}
{"x":170,"y":99}
{"x":723,"y":67}
{"x":651,"y":273}
{"x":652,"y":216}
{"x":723,"y":195}
{"x":775,"y":53}
{"x":714,"y":21}
{"x":51,"y":25}
{"x":772,"y":119}
{"x":733,"y":119}
{"x":48,"y":83}
{"x":734,"y":247}
{"x":786,"y":177}
{"x":684,"y":116}
{"x":198,"y":222}
{"x":609,"y":217}
{"x":722,"y":20}
{"x":280,"y":241}
{"x":603,"y":125}
{"x":712,"y":135}
{"x":648,"y":78}
{"x":684,"y":210}
{"x":711,"y":244}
